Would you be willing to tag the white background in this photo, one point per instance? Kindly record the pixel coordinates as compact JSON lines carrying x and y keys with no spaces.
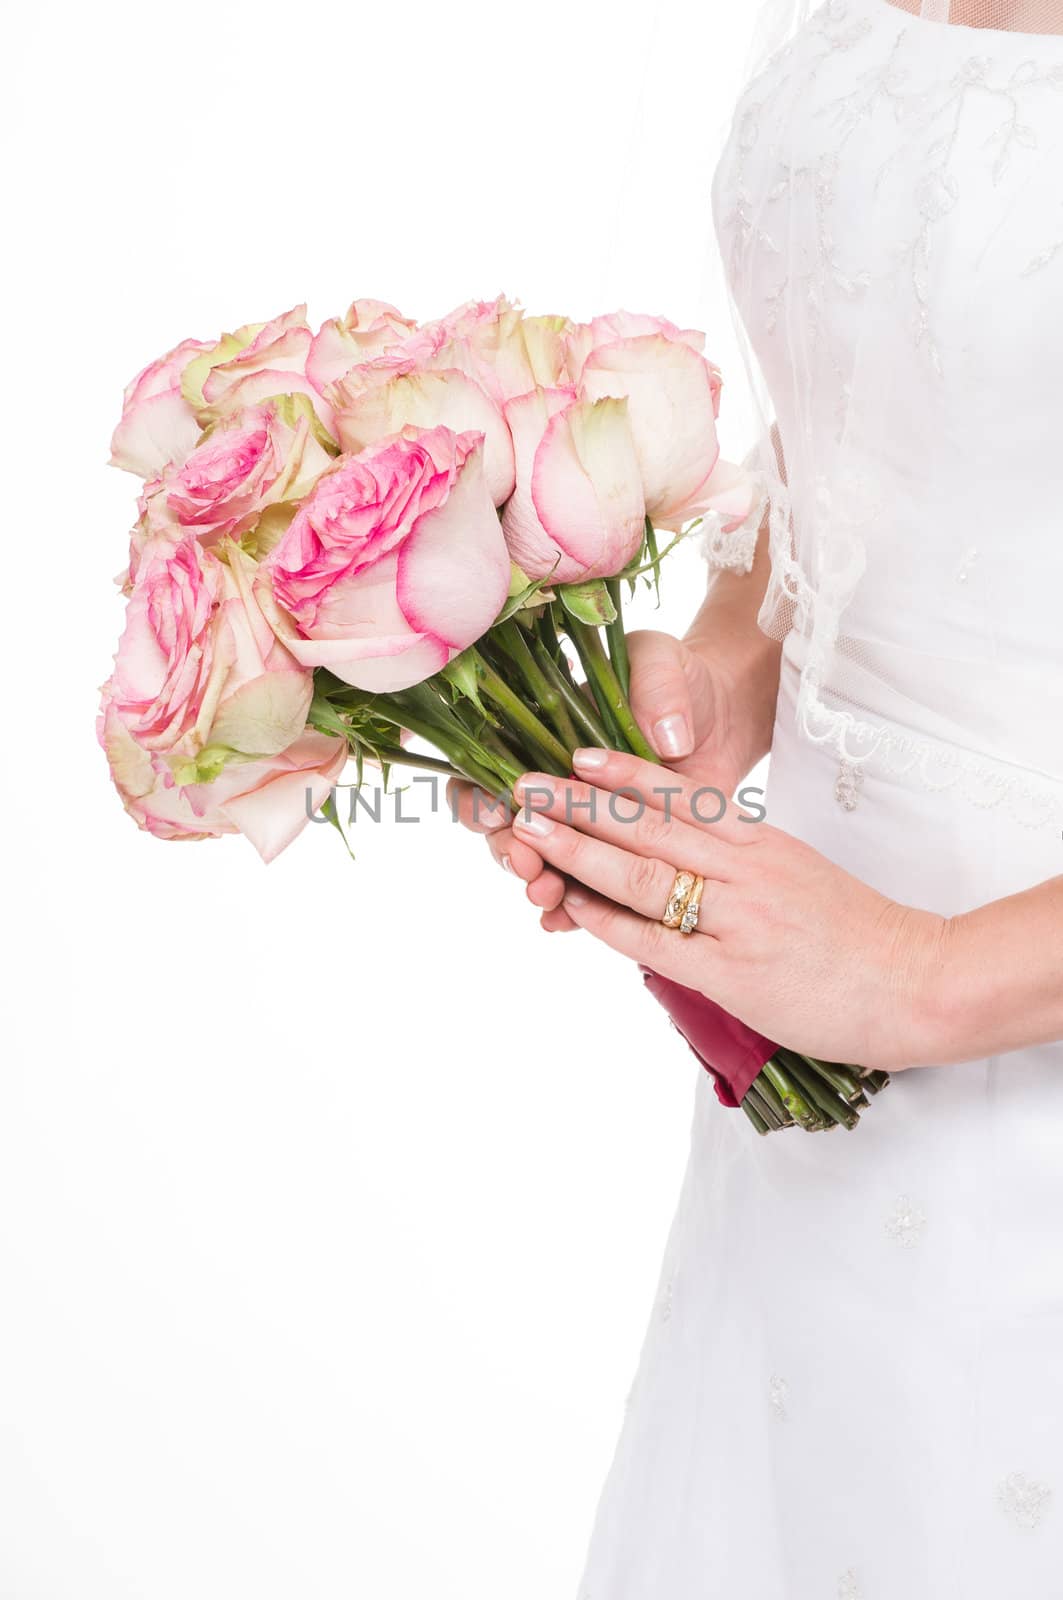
{"x":332,"y":1195}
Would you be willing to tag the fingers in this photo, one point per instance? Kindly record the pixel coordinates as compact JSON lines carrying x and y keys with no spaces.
{"x":546,"y":890}
{"x":632,"y":878}
{"x":618,"y":818}
{"x":677,"y":798}
{"x":475,"y":809}
{"x":513,"y":856}
{"x":478,"y":812}
{"x":691,"y":961}
{"x":660,"y":694}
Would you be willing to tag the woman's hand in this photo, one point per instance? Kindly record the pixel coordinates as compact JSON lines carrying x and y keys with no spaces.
{"x":787,"y":942}
{"x":712,"y":723}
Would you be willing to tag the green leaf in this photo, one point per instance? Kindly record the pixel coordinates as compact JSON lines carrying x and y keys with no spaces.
{"x":524,"y":592}
{"x":587,"y":602}
{"x":324,"y":717}
{"x":329,"y":812}
{"x":518,"y":580}
{"x":461,"y":675}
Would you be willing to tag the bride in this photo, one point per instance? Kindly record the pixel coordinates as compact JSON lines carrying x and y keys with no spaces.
{"x":852,"y":1381}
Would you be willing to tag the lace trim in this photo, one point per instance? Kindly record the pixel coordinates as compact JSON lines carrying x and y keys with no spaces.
{"x":734,"y":550}
{"x":1031,"y":800}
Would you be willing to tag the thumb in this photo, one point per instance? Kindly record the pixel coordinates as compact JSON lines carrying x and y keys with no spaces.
{"x":660,"y":693}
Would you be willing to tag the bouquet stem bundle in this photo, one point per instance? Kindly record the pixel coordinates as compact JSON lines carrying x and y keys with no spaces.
{"x":793,"y":1090}
{"x":512,"y":703}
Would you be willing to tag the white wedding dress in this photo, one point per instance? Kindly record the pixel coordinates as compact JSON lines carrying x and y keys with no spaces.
{"x":851,"y":1387}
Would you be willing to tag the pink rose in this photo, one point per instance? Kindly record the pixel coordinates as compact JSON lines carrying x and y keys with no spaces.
{"x":253,"y":364}
{"x":264,"y":800}
{"x":198,"y":665}
{"x":673,"y":396}
{"x":583,"y":337}
{"x":578,"y":510}
{"x":158,"y":425}
{"x":505,"y":352}
{"x":261,"y":457}
{"x":406,"y":386}
{"x":369,"y":328}
{"x":205,"y":706}
{"x":396,"y":561}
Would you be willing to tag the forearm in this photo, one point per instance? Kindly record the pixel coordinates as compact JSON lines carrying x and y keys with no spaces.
{"x":996,"y":983}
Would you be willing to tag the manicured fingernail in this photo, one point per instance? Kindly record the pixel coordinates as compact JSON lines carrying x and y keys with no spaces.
{"x":533,"y":783}
{"x":533,"y":822}
{"x":673,"y":735}
{"x":575,"y":899}
{"x":590,"y":758}
{"x":507,"y":865}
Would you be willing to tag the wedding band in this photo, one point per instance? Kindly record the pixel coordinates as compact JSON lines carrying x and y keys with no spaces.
{"x":689,"y":921}
{"x":682,"y":887}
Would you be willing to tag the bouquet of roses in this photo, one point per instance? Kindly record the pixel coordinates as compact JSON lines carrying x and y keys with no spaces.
{"x":383,"y":530}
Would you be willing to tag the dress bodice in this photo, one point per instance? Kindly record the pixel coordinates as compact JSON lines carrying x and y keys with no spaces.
{"x":889,"y":209}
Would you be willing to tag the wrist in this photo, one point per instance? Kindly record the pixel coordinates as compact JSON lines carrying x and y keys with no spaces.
{"x":744,"y":667}
{"x":948,"y":1009}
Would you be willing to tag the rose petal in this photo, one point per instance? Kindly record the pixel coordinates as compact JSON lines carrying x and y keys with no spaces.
{"x":454,"y":569}
{"x":427,"y":400}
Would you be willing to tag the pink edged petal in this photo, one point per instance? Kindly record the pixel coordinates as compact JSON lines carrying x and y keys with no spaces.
{"x":672,"y":397}
{"x":265,"y":715}
{"x":265,"y":385}
{"x":428,"y":400}
{"x":531,"y":547}
{"x":275,"y":813}
{"x":333,"y":353}
{"x":728,"y":490}
{"x":454,"y":568}
{"x":400,"y":659}
{"x":369,"y":328}
{"x":587,"y":487}
{"x":349,"y":644}
{"x":157,"y":431}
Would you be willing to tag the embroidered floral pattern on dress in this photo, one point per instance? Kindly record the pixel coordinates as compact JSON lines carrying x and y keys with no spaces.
{"x":778,"y":1389}
{"x":847,"y":786}
{"x":1023,"y":1500}
{"x":849,"y":1587}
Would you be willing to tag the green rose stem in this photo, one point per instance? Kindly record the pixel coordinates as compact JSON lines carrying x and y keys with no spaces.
{"x":579,"y":707}
{"x":425,"y":713}
{"x":397,"y":756}
{"x":551,"y":642}
{"x":511,"y":640}
{"x":488,"y":731}
{"x":614,"y":739}
{"x":775,"y":1120}
{"x":754,"y":1116}
{"x":791,"y":1097}
{"x":766,"y":1092}
{"x":614,"y":633}
{"x":607,"y":691}
{"x":521,"y":717}
{"x":821,"y":1095}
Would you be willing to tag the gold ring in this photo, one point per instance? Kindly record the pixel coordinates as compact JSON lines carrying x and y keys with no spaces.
{"x":691,"y":910}
{"x":682,"y":886}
